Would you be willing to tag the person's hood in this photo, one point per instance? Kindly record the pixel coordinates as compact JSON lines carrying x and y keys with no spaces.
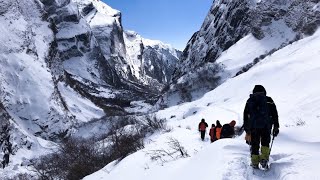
{"x":218,"y":124}
{"x":259,"y":89}
{"x":232,"y":123}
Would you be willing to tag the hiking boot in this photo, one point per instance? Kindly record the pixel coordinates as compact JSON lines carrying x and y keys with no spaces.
{"x":264,"y":163}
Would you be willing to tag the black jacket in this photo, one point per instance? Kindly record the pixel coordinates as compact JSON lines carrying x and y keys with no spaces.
{"x":227,"y":131}
{"x":273,"y":113}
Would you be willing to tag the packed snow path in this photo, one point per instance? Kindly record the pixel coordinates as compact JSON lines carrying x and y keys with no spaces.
{"x":230,"y":159}
{"x":226,"y":159}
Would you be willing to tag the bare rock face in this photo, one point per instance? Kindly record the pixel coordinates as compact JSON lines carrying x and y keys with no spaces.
{"x":227,"y":22}
{"x":152,"y":62}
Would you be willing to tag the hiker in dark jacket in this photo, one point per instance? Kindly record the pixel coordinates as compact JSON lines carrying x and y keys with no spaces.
{"x":227,"y":130}
{"x":202,"y":128}
{"x":212,"y":133}
{"x":260,"y":114}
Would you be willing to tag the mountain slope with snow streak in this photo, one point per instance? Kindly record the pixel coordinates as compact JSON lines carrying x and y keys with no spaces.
{"x":290,"y":78}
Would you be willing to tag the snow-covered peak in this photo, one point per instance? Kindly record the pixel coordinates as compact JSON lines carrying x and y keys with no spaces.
{"x":105,"y":9}
{"x":97,"y":13}
{"x":156,"y":44}
{"x":159,"y":45}
{"x":153,"y":43}
{"x":125,"y":50}
{"x":148,"y":58}
{"x":100,"y":6}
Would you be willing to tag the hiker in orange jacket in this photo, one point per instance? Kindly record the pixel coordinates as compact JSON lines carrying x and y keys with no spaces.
{"x":212,"y":134}
{"x":202,"y":128}
{"x":218,"y":130}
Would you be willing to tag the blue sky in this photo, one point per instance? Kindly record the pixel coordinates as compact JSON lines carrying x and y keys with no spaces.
{"x":171,"y":21}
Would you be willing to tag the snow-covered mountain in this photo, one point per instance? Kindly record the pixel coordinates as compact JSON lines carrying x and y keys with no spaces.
{"x":152,"y":62}
{"x":126,"y":50}
{"x":290,"y":76}
{"x":66,"y":66}
{"x":274,"y":24}
{"x":272,"y":43}
{"x":64,"y":63}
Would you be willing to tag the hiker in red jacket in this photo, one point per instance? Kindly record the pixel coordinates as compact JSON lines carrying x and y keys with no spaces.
{"x":202,"y":128}
{"x":212,"y":133}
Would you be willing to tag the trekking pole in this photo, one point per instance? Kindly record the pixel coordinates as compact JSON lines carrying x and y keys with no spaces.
{"x":271,"y":144}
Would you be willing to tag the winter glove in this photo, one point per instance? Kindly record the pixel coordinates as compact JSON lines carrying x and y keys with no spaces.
{"x":248,"y":138}
{"x":275,"y":132}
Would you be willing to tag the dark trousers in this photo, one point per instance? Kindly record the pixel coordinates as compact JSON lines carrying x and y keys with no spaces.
{"x":257,"y":136}
{"x":203,"y":133}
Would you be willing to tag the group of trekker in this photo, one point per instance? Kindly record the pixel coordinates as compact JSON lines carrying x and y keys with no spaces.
{"x":217,"y":131}
{"x":260,"y":119}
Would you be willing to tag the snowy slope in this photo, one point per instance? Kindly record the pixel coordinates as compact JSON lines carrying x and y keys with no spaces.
{"x":274,"y":24}
{"x":290,"y":78}
{"x":235,"y":57}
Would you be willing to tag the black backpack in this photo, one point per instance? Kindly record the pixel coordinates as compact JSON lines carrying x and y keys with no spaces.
{"x":227,"y":131}
{"x":259,"y":111}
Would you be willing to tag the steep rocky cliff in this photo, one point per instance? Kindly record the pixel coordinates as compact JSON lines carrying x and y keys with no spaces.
{"x":228,"y":22}
{"x":64,"y":63}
